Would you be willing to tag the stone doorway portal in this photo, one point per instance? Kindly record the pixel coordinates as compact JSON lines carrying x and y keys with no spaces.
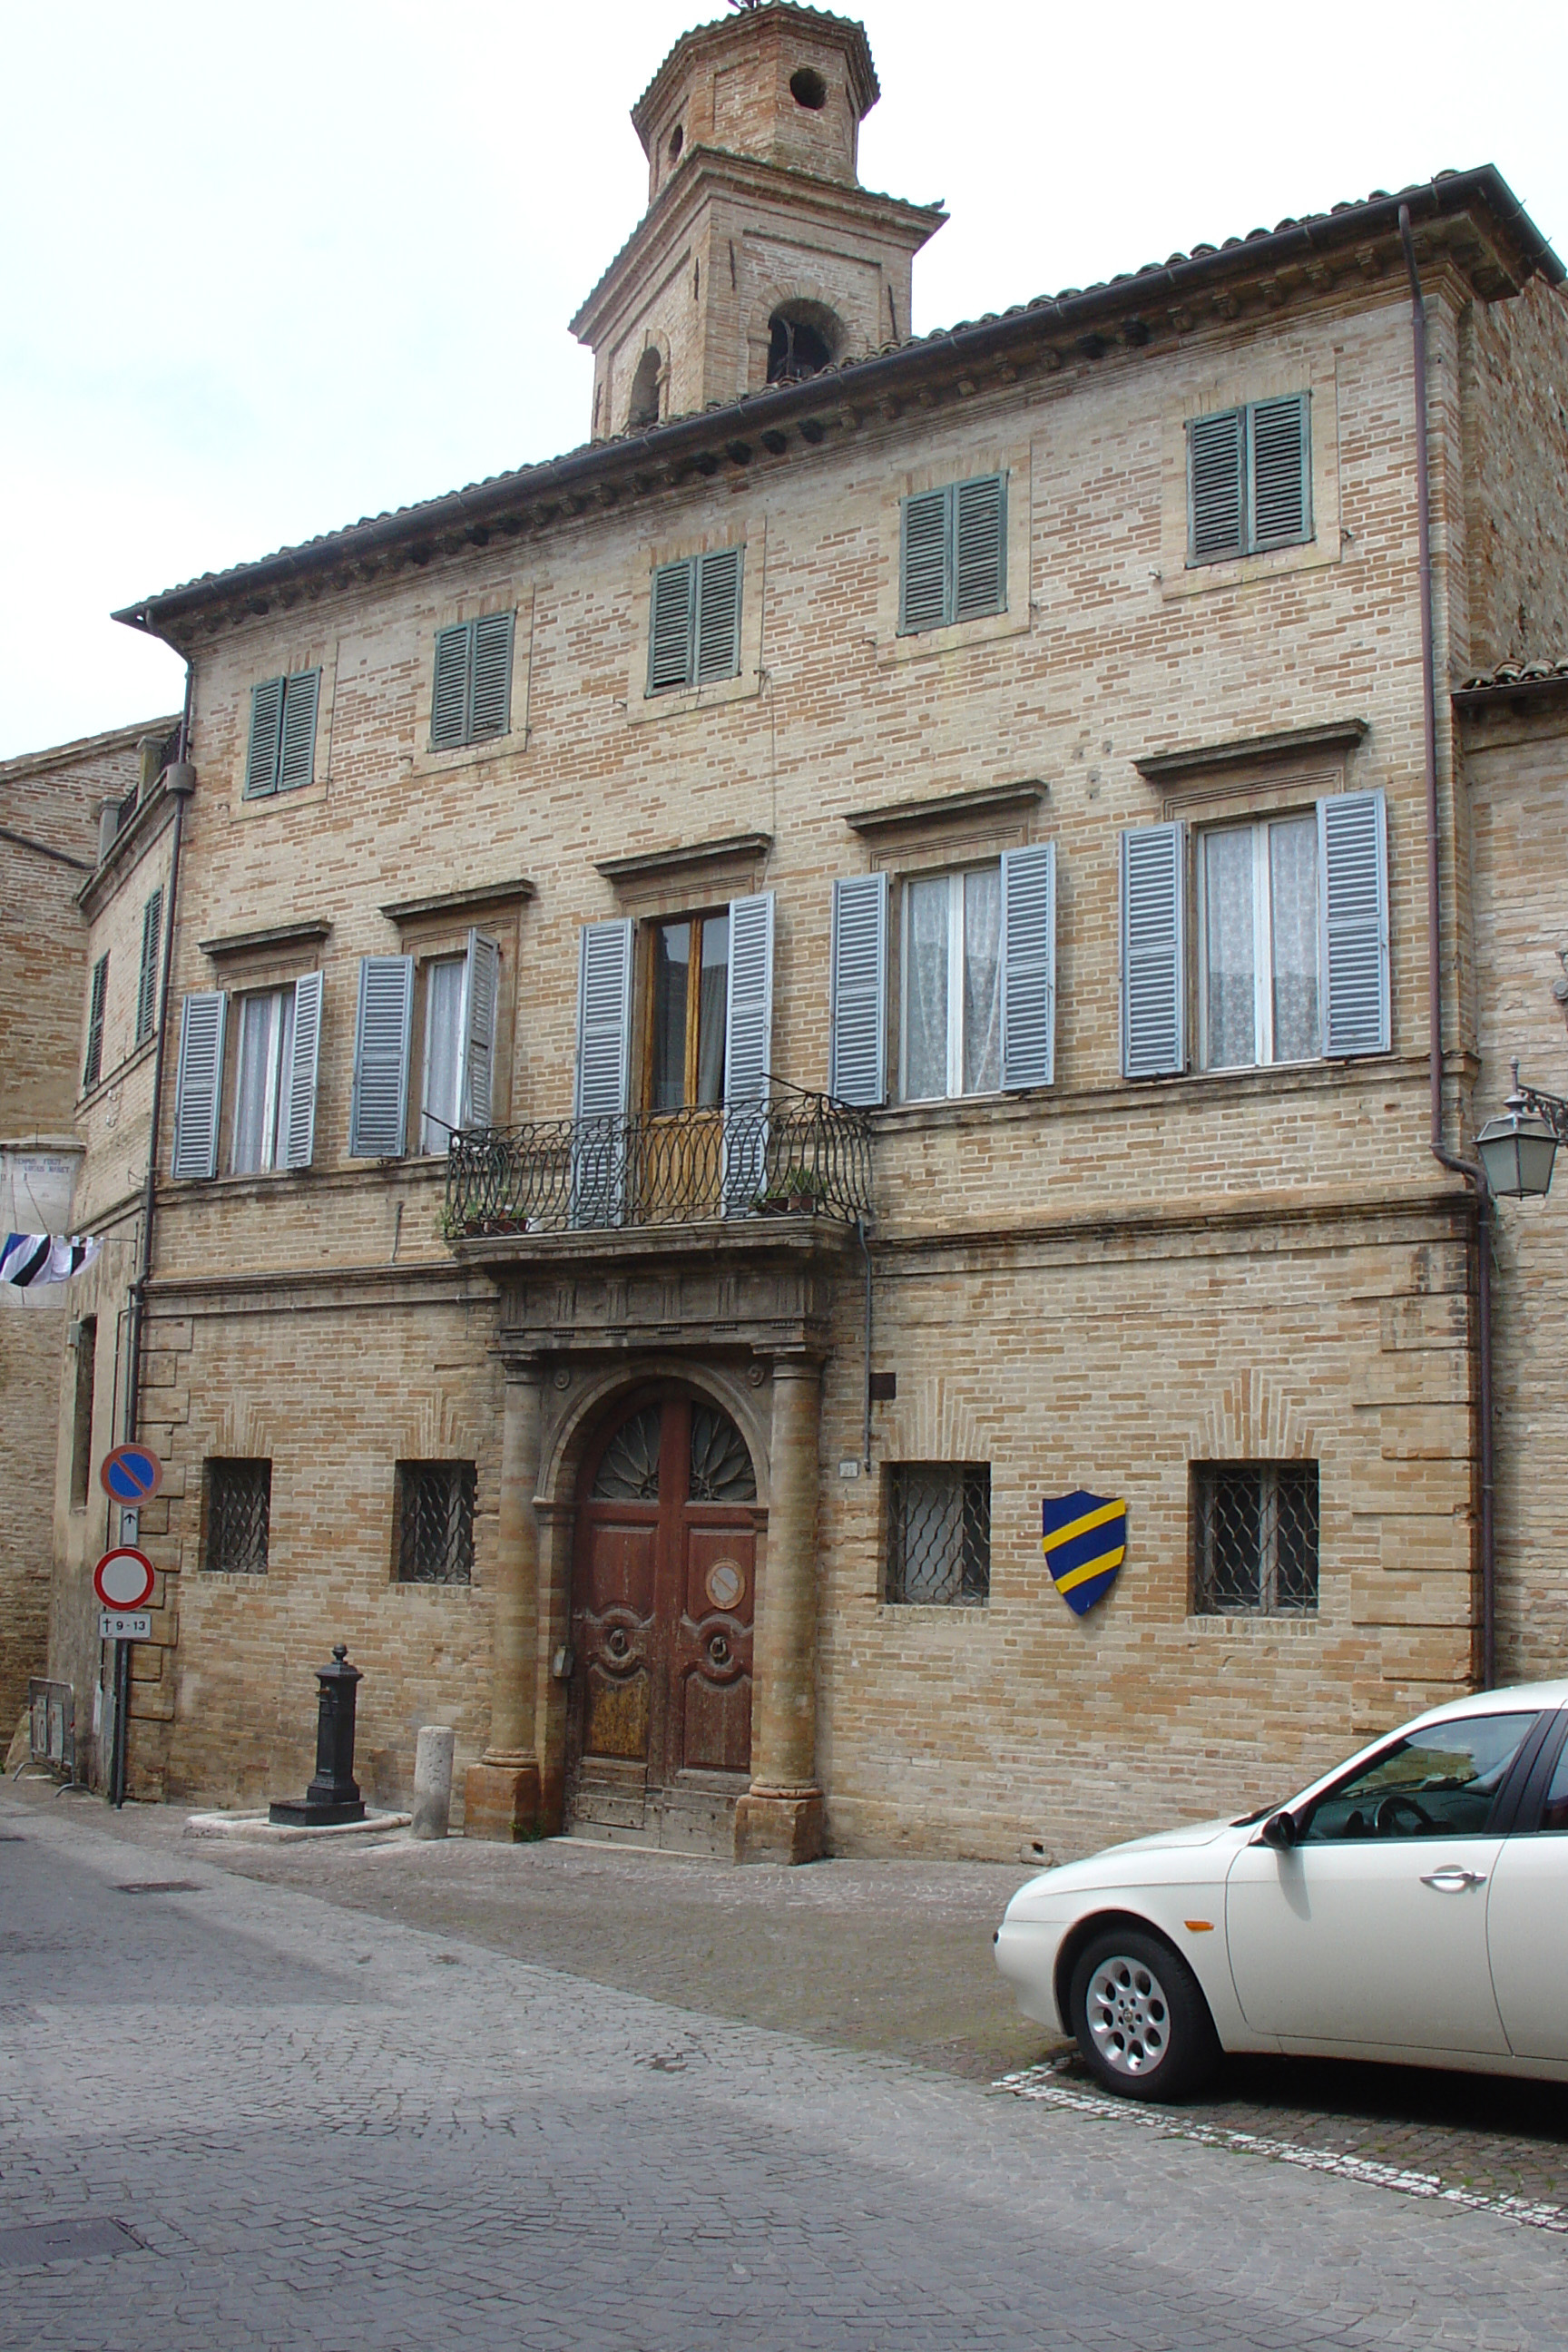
{"x":663,"y":1602}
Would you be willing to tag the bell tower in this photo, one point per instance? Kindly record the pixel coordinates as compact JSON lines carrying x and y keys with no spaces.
{"x":760,"y":258}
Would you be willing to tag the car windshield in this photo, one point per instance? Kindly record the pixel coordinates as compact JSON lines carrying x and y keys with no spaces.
{"x":1439,"y":1781}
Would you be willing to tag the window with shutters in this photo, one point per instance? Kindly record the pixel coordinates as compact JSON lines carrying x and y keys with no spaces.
{"x":147,"y":979}
{"x":426,"y":1026}
{"x":236,"y":1515}
{"x":282,"y":756}
{"x":939,"y":1534}
{"x":433,"y":1521}
{"x":1258,"y":943}
{"x":1255,"y":1539}
{"x":97,"y":1000}
{"x":470,"y":699}
{"x":1249,"y":479}
{"x":264,"y":1025}
{"x":694,"y":626}
{"x":950,"y":1038}
{"x":953,"y":562}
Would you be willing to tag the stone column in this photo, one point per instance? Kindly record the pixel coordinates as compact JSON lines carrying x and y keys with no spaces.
{"x":781,"y":1817}
{"x":500,"y":1795}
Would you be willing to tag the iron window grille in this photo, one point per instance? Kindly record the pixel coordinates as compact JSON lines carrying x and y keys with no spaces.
{"x":939,"y":1534}
{"x":236,"y":1514}
{"x":434,"y":1523}
{"x":1255,"y":1539}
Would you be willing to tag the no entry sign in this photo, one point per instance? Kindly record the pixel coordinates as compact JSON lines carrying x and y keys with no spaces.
{"x":131,"y":1473}
{"x":123,"y":1578}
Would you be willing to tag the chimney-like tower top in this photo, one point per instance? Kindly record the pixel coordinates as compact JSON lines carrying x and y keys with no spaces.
{"x":784,"y":85}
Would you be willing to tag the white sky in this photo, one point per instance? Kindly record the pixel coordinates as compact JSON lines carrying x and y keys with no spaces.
{"x":270,"y":268}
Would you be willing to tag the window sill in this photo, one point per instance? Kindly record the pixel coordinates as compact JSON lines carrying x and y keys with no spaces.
{"x":93,"y":1095}
{"x":247,"y":807}
{"x":931,"y":1612}
{"x":1248,"y":570}
{"x":678,"y":702}
{"x":455,"y":758}
{"x":956,"y":636}
{"x":1295,"y":1625}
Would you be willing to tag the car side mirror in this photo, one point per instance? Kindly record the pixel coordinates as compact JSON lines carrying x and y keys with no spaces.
{"x":1280,"y":1830}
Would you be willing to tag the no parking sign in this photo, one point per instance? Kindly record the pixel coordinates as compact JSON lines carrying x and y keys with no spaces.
{"x":130,"y":1474}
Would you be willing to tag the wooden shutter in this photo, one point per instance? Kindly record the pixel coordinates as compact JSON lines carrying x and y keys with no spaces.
{"x":748,"y":1050}
{"x":1153,"y":952}
{"x":378,"y":1122}
{"x":1353,"y":864}
{"x":93,"y":1068}
{"x":1214,"y":485}
{"x":147,"y":980}
{"x":670,"y":627}
{"x":980,"y":547}
{"x":481,"y":994}
{"x":298,"y":1121}
{"x":718,"y":616}
{"x":603,"y":1039}
{"x":923,"y":562}
{"x":491,"y":709}
{"x":1028,"y":965}
{"x":450,"y":688}
{"x":198,"y":1083}
{"x":266,"y":732}
{"x":297,"y":759}
{"x":1281,"y":472}
{"x":858,"y":1043}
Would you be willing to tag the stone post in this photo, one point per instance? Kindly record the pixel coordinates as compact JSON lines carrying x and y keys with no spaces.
{"x":781,"y":1817}
{"x":433,"y":1779}
{"x":500,"y":1794}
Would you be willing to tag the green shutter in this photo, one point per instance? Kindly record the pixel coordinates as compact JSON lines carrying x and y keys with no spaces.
{"x":296,"y":757}
{"x":266,"y":732}
{"x":489,"y":711}
{"x":449,"y":694}
{"x":1215,"y":522}
{"x":980,"y":547}
{"x":93,"y":1068}
{"x":923,"y":564}
{"x":1281,"y":501}
{"x":670,"y":627}
{"x":717,"y":616}
{"x":147,"y":980}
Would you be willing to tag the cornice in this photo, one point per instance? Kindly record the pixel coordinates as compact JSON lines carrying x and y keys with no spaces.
{"x":460,"y":902}
{"x":652,"y":865}
{"x":1250,"y":751}
{"x":128,"y":848}
{"x":275,"y":935}
{"x":982,"y":799}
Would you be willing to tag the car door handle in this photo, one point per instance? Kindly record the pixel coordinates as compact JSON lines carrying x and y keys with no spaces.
{"x":1453,"y":1880}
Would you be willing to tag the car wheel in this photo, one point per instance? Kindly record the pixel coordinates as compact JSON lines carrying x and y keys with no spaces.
{"x":1140,"y":2018}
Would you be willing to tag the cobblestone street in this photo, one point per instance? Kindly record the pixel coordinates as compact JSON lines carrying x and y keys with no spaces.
{"x":561,"y":2097}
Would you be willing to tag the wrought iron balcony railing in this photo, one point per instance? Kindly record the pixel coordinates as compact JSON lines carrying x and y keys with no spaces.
{"x":795,"y":1154}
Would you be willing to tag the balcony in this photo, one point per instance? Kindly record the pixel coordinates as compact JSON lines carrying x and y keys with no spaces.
{"x":797,"y":1155}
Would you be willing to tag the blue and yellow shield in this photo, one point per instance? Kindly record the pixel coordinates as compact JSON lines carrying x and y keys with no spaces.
{"x":1085,"y":1543}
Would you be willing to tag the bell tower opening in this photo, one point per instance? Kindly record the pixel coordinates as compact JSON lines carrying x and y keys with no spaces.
{"x":643,"y":409}
{"x":801,"y":341}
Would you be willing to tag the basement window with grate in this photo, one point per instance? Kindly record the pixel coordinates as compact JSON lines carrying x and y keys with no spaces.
{"x":939,"y":1534}
{"x":1255,"y":1539}
{"x":236,"y":1515}
{"x":433,"y":1521}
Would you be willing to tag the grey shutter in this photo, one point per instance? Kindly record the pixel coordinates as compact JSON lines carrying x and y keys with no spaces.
{"x":980,"y":547}
{"x":1028,"y":965}
{"x":1214,"y":485}
{"x":1352,"y":862}
{"x":1153,"y":952}
{"x":378,"y":1120}
{"x":450,"y":688}
{"x":748,"y":1050}
{"x":482,"y":994}
{"x":147,"y":980}
{"x":299,"y":1076}
{"x":858,"y":1043}
{"x":670,"y":627}
{"x":93,"y":1068}
{"x":1281,"y":472}
{"x":491,"y":709}
{"x":297,"y":760}
{"x":603,"y":1054}
{"x":718,"y":616}
{"x":198,"y":1083}
{"x":923,"y":562}
{"x":266,"y":730}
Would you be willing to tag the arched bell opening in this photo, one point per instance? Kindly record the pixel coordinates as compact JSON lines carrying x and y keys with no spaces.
{"x":804,"y":338}
{"x":647,"y":385}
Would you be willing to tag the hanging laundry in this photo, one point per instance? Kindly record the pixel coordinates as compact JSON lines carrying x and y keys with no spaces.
{"x":29,"y":1259}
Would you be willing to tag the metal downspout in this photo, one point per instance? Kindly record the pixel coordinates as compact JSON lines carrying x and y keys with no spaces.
{"x":1471,"y":1170}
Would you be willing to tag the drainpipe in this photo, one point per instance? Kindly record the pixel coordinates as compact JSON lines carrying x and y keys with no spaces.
{"x":1471,"y":1170}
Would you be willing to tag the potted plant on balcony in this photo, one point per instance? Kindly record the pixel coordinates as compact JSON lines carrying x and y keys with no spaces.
{"x":797,"y":1192}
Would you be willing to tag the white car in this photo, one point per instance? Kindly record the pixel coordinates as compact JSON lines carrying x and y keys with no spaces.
{"x":1412,"y":1905}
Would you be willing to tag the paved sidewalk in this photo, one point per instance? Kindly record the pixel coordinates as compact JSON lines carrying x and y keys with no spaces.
{"x":325,"y":2130}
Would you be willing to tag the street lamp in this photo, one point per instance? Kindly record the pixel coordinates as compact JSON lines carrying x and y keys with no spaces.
{"x":1516,"y":1151}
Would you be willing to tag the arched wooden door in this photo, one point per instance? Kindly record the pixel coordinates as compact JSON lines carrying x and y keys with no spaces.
{"x":663,"y":1600}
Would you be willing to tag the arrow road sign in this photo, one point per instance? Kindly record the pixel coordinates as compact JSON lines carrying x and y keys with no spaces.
{"x":123,"y":1578}
{"x":131,"y":1473}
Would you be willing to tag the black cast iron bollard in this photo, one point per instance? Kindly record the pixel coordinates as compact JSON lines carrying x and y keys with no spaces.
{"x":333,"y":1795}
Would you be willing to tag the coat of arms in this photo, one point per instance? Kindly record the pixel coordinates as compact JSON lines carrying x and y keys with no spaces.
{"x":1085,"y":1543}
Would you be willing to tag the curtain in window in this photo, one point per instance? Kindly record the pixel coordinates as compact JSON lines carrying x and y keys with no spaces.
{"x":712,"y":1005}
{"x":982,"y":981}
{"x":672,"y":966}
{"x":1230,"y":1016}
{"x":265,"y":1045}
{"x":1293,"y":910}
{"x":443,"y":1054}
{"x":925,"y":990}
